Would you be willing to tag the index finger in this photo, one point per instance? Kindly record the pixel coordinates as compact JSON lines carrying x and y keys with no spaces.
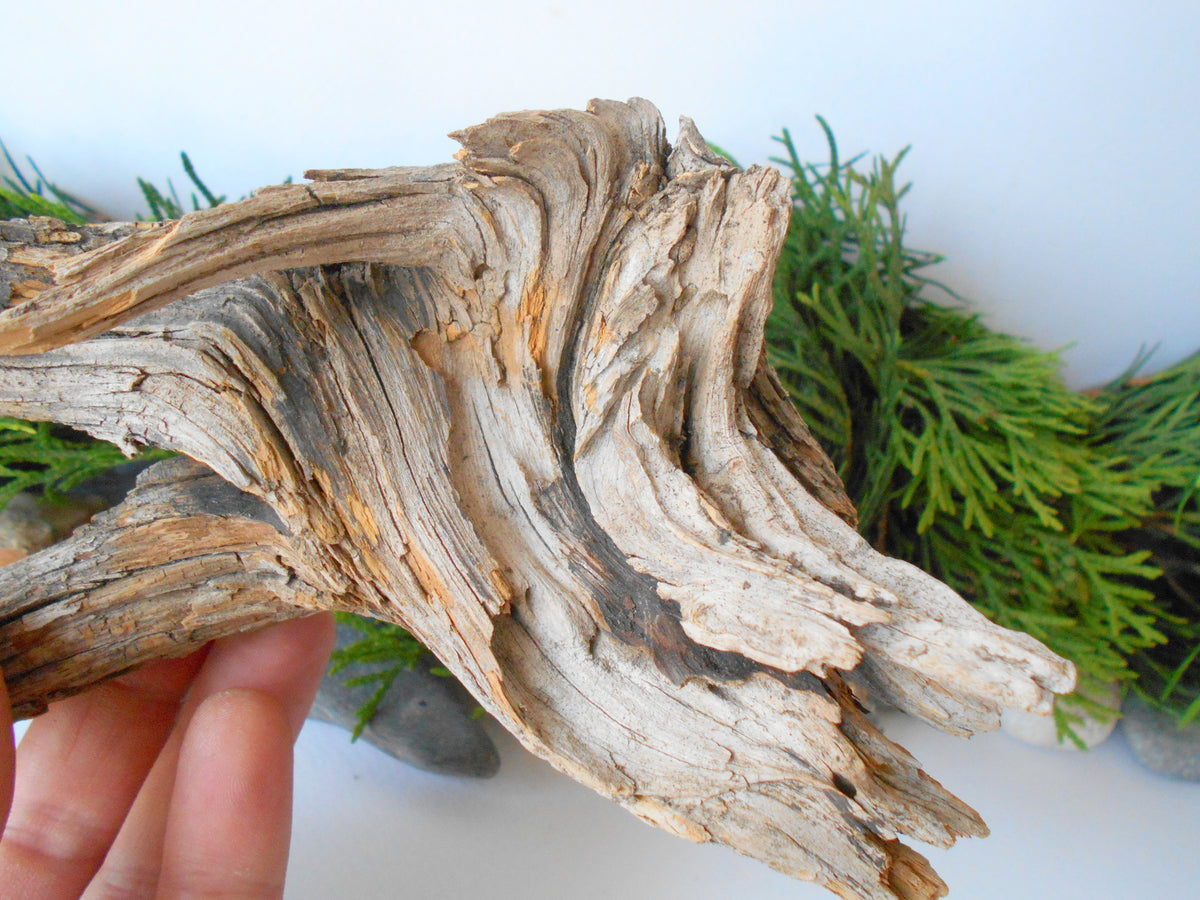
{"x":8,"y":755}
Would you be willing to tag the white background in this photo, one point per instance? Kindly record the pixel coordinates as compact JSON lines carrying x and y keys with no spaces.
{"x":1065,"y":825}
{"x":1054,"y":156}
{"x":1054,"y":144}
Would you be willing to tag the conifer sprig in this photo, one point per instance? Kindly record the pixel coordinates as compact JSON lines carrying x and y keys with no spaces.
{"x":51,"y":459}
{"x":961,"y":447}
{"x":1153,"y":426}
{"x":19,"y":197}
{"x":167,"y":205}
{"x":386,"y":650}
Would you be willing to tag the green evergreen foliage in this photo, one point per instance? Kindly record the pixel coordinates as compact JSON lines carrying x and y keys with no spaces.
{"x":1153,"y":426}
{"x":962,"y":448}
{"x":20,"y":198}
{"x":167,"y":205}
{"x":387,"y":650}
{"x":52,"y":459}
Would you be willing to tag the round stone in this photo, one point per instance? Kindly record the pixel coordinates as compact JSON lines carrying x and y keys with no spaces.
{"x":1042,"y":731}
{"x":1159,"y":743}
{"x":425,"y":719}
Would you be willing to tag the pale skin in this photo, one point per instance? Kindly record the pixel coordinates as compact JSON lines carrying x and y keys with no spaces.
{"x":172,"y":781}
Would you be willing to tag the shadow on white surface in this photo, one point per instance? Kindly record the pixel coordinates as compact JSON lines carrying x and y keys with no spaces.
{"x":368,"y":827}
{"x":1064,"y":825}
{"x":1068,"y":826}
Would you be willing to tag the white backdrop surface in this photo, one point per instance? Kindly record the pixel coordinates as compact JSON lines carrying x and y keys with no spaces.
{"x":1054,"y":162}
{"x":1053,"y":144}
{"x":1065,"y":826}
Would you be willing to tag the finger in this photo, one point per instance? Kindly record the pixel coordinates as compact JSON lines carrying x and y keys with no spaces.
{"x":8,"y":754}
{"x":285,"y":661}
{"x":229,"y":826}
{"x":79,"y":768}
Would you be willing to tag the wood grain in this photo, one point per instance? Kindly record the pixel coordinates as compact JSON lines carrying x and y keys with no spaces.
{"x":518,"y":404}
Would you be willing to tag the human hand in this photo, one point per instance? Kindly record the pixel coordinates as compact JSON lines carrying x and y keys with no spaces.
{"x":173,"y":780}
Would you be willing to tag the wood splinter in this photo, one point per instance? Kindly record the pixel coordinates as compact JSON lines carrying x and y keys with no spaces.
{"x":518,"y":404}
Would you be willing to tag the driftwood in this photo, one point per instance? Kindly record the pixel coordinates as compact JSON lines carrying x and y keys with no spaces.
{"x":518,"y":404}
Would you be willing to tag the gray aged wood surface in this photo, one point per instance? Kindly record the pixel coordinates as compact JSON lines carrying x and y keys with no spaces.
{"x":519,"y":404}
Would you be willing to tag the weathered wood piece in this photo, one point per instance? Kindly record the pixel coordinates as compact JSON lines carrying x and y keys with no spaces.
{"x":184,"y":559}
{"x":519,"y":404}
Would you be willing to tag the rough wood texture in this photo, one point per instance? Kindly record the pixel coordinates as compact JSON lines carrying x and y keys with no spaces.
{"x":30,"y":247}
{"x":519,"y":404}
{"x":184,"y":559}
